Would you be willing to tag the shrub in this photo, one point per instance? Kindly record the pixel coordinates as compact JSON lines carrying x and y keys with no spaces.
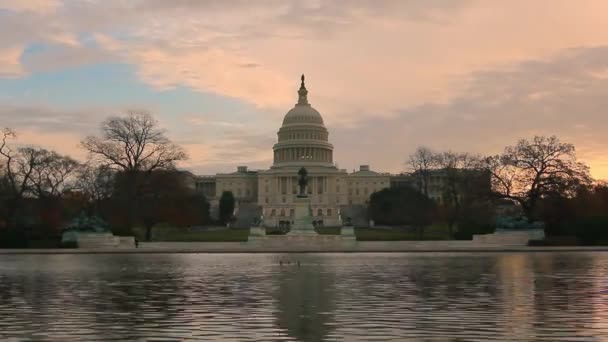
{"x":13,"y":238}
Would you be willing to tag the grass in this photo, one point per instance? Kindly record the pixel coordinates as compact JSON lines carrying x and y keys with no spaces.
{"x":435,"y":232}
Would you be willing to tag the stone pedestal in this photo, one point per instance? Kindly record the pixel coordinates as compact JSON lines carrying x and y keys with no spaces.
{"x":348,"y":232}
{"x":257,"y":232}
{"x":302,"y":224}
{"x":104,"y":240}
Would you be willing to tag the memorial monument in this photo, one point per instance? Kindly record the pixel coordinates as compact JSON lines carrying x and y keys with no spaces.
{"x":303,"y":213}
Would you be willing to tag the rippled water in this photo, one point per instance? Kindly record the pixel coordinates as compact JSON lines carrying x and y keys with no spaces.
{"x":328,"y":297}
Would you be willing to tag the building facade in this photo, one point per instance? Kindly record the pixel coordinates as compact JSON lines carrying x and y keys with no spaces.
{"x":302,"y":141}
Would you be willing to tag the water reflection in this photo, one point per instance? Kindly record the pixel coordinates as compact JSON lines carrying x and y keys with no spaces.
{"x":305,"y":297}
{"x":348,"y":297}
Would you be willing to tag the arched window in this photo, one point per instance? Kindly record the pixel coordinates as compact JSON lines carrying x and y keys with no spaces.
{"x":319,"y":212}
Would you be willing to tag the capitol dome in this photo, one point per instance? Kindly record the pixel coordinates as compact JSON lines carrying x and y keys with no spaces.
{"x":303,"y":138}
{"x":302,"y":112}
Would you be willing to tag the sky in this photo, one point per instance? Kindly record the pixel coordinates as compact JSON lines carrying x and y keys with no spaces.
{"x":387,"y":76}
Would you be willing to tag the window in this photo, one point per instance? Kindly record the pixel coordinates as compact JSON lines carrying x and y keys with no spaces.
{"x":357,"y":191}
{"x":319,"y":212}
{"x":283,"y":199}
{"x":328,"y":212}
{"x":266,"y":188}
{"x":337,"y":188}
{"x":292,"y":212}
{"x":266,"y":200}
{"x":282,"y":212}
{"x":273,"y":212}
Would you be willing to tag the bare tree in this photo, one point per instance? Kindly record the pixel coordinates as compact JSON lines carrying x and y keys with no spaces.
{"x":50,"y":173}
{"x":134,"y":145}
{"x":13,"y":164}
{"x":533,"y":169}
{"x":19,"y":167}
{"x":421,"y":163}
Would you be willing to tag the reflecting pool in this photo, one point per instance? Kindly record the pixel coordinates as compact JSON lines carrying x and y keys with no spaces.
{"x":305,"y":297}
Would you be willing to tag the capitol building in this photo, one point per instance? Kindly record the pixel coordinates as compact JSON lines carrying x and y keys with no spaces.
{"x":302,"y":141}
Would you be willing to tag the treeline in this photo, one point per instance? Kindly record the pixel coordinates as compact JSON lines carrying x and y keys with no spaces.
{"x":539,"y":179}
{"x":446,"y":188}
{"x":128,"y":180}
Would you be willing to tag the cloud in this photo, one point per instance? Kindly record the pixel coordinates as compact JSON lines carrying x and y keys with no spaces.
{"x":386,"y":75}
{"x":497,"y":108}
{"x":233,"y":149}
{"x":36,"y":6}
{"x":52,"y":120}
{"x":211,"y":70}
{"x":10,"y":64}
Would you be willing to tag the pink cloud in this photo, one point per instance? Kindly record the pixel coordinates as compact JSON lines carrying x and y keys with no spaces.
{"x":10,"y":64}
{"x":36,"y":6}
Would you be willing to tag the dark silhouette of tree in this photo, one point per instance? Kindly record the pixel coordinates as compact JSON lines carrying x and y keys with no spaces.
{"x":458,"y":171}
{"x":50,"y":173}
{"x":17,"y":170}
{"x":31,"y":171}
{"x":421,"y":163}
{"x":583,"y":215}
{"x":531,"y":170}
{"x":134,"y":145}
{"x":166,"y":198}
{"x":227,"y":203}
{"x":97,"y":184}
{"x":402,"y":206}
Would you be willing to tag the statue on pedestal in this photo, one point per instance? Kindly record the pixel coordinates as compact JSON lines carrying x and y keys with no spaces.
{"x":302,"y":181}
